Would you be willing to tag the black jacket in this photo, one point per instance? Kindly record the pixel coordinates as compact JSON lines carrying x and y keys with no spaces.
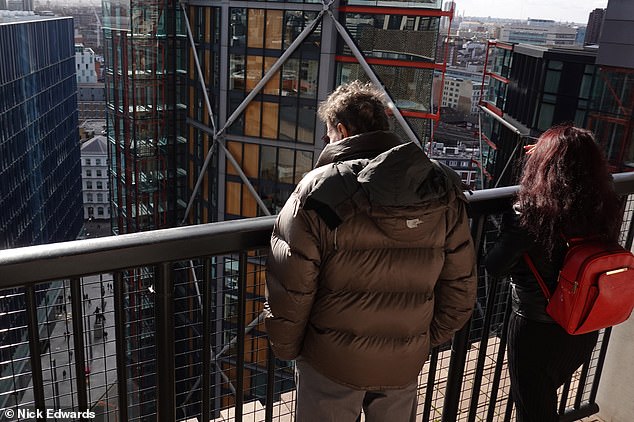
{"x":506,"y":259}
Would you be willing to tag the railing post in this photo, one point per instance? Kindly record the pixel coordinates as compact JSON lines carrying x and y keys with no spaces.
{"x":457,"y":361}
{"x":121,"y":343}
{"x":165,"y":371}
{"x":270,"y":384}
{"x":206,"y":340}
{"x":242,"y":286}
{"x":34,"y":348}
{"x":81,"y":366}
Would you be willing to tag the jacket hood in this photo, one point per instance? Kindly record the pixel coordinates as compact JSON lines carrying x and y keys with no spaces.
{"x":401,"y":176}
{"x":365,"y":145}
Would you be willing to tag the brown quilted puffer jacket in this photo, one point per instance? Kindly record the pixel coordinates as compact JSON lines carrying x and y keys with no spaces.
{"x":371,"y":263}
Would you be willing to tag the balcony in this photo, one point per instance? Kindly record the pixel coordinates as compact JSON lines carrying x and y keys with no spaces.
{"x":167,"y":325}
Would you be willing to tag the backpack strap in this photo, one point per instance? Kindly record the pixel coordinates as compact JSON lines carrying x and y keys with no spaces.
{"x":539,"y":278}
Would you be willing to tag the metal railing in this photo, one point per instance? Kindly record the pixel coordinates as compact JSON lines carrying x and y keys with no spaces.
{"x":185,"y":307}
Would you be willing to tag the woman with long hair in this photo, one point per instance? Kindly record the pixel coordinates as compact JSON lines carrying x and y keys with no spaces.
{"x":566,"y":192}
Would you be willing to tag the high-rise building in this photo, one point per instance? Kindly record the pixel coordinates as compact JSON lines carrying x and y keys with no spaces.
{"x":40,"y":193}
{"x":593,"y":29}
{"x":40,"y":179}
{"x":184,"y":154}
{"x":532,"y":88}
{"x":95,"y":180}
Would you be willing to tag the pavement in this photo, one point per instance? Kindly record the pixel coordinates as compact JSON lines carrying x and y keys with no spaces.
{"x":95,"y":228}
{"x":58,"y":361}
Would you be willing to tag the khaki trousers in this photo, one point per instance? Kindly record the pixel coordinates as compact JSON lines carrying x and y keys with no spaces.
{"x":320,"y":399}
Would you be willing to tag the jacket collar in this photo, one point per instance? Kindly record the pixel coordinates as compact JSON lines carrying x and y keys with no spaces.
{"x":366,"y":145}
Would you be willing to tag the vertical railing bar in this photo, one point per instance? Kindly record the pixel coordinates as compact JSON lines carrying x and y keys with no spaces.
{"x":431,"y":380}
{"x":165,"y":374}
{"x":508,"y":411}
{"x":484,"y":343}
{"x":270,"y":384}
{"x":583,"y":378}
{"x":77,"y":299}
{"x":630,"y":227}
{"x":34,"y":348}
{"x":459,"y":346}
{"x":564,"y":397}
{"x":206,"y":339}
{"x":499,"y":362}
{"x":602,"y":354}
{"x":241,"y":336}
{"x":120,"y":339}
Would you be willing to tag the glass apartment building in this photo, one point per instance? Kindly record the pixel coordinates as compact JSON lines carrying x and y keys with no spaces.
{"x":183,"y":154}
{"x":40,"y":174}
{"x":40,"y":189}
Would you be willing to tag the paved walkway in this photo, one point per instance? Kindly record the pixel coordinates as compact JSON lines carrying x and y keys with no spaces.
{"x":58,"y":362}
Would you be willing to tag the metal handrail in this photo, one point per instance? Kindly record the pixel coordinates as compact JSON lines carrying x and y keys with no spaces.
{"x":21,"y":266}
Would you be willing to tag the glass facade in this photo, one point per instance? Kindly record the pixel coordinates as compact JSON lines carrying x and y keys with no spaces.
{"x":40,"y":192}
{"x":145,"y":63}
{"x":40,"y":178}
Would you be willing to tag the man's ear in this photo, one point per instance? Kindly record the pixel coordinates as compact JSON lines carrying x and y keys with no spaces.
{"x":342,"y":130}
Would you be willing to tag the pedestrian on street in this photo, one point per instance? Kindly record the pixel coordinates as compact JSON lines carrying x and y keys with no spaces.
{"x":64,"y":374}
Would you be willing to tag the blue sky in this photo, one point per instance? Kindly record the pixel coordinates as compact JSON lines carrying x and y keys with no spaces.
{"x":559,"y":10}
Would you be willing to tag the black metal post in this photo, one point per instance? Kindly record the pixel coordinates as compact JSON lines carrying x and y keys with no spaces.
{"x":484,"y":343}
{"x":206,"y":339}
{"x":78,"y":341}
{"x":242,"y":287}
{"x":499,"y":362}
{"x":597,"y":374}
{"x":459,"y":346}
{"x":165,"y":374}
{"x":564,"y":397}
{"x":34,"y":347}
{"x":121,"y":342}
{"x":583,"y":378}
{"x":431,"y":380}
{"x":270,"y":384}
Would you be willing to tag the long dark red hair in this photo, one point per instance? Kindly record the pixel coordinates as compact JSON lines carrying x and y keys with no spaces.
{"x":566,"y":188}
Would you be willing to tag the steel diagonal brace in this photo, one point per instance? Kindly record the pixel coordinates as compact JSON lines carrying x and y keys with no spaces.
{"x":368,"y":70}
{"x":243,"y":105}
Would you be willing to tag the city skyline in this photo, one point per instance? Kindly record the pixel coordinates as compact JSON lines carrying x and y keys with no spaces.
{"x":558,"y":10}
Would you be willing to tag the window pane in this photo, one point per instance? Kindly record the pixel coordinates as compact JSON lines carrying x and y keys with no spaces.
{"x":273,"y":85}
{"x":306,"y":125}
{"x":235,"y":149}
{"x":252,"y":119}
{"x":255,"y":28}
{"x":269,"y":120}
{"x":273,"y":29}
{"x":303,"y":164}
{"x":233,"y":198}
{"x":285,"y":165}
{"x":254,"y":71}
{"x":288,"y":121}
{"x":250,"y":160}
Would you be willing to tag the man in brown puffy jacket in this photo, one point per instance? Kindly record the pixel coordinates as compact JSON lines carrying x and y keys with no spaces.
{"x":371,"y":265}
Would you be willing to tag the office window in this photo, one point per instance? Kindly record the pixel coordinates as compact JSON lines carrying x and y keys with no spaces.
{"x":89,"y":197}
{"x":100,"y":197}
{"x":87,"y":161}
{"x":88,"y":173}
{"x":98,"y":173}
{"x":99,"y":185}
{"x":98,"y":161}
{"x":88,"y":184}
{"x":99,"y":210}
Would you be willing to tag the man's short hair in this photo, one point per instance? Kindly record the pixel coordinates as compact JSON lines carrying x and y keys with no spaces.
{"x":359,"y":107}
